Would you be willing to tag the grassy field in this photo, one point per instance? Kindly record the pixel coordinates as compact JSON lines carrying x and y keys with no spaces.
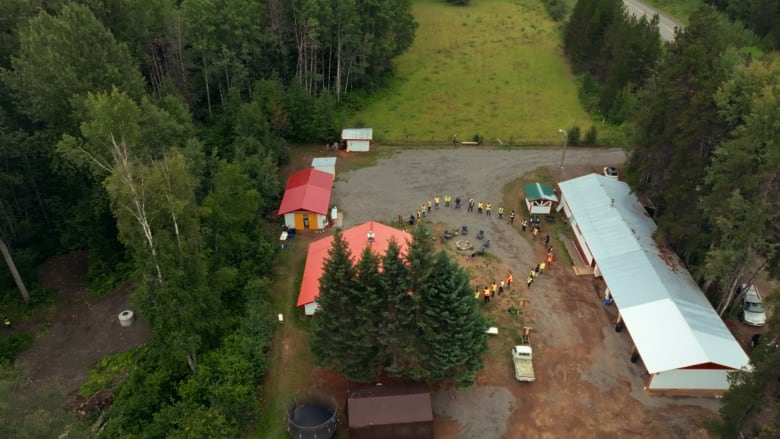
{"x":681,"y":10}
{"x":494,"y":68}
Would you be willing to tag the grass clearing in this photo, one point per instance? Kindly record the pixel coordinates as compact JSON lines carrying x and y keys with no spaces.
{"x":494,"y":68}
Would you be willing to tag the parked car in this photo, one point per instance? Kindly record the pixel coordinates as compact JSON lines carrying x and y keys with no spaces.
{"x":753,"y":312}
{"x":523,"y":357}
{"x":611,"y":172}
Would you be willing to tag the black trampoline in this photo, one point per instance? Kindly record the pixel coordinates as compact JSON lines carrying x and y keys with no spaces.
{"x":312,"y":416}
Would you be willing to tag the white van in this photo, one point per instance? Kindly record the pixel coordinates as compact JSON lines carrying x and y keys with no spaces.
{"x":753,"y":312}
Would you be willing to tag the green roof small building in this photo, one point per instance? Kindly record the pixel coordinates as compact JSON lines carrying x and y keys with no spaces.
{"x":539,"y":198}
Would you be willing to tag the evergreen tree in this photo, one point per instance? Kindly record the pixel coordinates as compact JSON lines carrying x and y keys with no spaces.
{"x":364,"y":362}
{"x":453,"y":330}
{"x":395,"y":317}
{"x":631,"y":51}
{"x":332,"y":333}
{"x":584,"y":33}
{"x":419,"y":264}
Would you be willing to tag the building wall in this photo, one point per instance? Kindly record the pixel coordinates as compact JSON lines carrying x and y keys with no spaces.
{"x":357,"y":145}
{"x":416,"y":430}
{"x":539,"y":206}
{"x":296,"y":220}
{"x":310,"y":308}
{"x":289,"y":220}
{"x":682,"y":380}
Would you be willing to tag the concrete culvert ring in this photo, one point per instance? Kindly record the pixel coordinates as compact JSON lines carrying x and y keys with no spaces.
{"x":463,"y":244}
{"x":312,"y":415}
{"x":126,"y":318}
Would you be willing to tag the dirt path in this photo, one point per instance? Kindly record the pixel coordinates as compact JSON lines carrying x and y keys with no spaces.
{"x":586,"y":386}
{"x":83,"y":329}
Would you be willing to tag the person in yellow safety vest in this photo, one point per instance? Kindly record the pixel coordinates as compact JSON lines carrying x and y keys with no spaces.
{"x":447,"y":201}
{"x":436,"y":200}
{"x":486,"y":294}
{"x":479,"y":208}
{"x":430,"y":205}
{"x":493,"y":288}
{"x":542,"y":266}
{"x":488,"y":208}
{"x":500,"y":212}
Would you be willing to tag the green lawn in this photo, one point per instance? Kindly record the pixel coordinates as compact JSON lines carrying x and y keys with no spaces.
{"x":681,"y":10}
{"x":494,"y":68}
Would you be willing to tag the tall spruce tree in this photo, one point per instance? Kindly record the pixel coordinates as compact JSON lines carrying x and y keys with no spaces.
{"x":452,"y":329}
{"x":364,"y":362}
{"x":419,"y":263}
{"x":396,"y":330}
{"x":584,"y":33}
{"x":332,"y":334}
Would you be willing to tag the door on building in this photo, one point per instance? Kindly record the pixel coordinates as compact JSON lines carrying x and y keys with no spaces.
{"x":305,"y":220}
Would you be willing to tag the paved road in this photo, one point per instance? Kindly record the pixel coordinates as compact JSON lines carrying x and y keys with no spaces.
{"x":666,"y":24}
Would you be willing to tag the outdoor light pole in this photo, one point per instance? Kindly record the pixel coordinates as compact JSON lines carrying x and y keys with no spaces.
{"x":563,"y":154}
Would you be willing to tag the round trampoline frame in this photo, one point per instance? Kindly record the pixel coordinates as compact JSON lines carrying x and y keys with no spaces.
{"x":324,"y":430}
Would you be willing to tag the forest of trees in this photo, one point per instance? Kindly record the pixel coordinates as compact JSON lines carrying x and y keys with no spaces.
{"x":150,"y":133}
{"x":414,"y":318}
{"x":705,"y":148}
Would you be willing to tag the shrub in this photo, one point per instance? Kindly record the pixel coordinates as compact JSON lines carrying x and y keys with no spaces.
{"x":590,"y":136}
{"x":556,"y":9}
{"x":13,"y":344}
{"x":574,"y":135}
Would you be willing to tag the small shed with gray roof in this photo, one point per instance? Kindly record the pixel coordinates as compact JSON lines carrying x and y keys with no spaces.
{"x":357,"y":139}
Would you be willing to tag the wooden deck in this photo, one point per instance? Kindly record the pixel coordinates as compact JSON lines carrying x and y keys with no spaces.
{"x":580,"y":267}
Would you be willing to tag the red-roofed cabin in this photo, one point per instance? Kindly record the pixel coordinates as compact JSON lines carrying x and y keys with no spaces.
{"x":307,"y":199}
{"x":357,"y":239}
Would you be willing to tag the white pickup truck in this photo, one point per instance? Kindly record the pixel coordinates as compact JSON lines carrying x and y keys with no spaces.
{"x":523,"y":355}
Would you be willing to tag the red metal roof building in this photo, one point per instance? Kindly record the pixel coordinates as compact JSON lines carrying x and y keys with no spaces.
{"x":357,"y":239}
{"x":307,"y":199}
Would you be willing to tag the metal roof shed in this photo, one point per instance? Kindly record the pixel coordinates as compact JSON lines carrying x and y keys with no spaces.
{"x":683,"y":343}
{"x":390,"y":412}
{"x":539,"y":198}
{"x":357,"y":139}
{"x":324,"y":164}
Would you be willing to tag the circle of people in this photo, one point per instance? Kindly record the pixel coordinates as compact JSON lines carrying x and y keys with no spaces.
{"x":496,"y":288}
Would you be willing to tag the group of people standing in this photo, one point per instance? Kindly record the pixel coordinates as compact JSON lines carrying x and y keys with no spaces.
{"x":545,"y":264}
{"x":481,"y":207}
{"x":494,"y":289}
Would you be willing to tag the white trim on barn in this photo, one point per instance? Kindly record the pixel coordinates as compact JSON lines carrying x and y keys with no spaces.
{"x":357,"y":139}
{"x":682,"y":341}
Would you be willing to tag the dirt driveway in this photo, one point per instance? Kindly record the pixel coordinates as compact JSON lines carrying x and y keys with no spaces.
{"x":586,"y":386}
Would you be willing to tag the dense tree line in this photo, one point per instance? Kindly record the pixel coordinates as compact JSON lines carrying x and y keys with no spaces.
{"x":706,"y":150}
{"x":150,"y":134}
{"x":760,"y":16}
{"x":411,"y":316}
{"x":614,"y":52}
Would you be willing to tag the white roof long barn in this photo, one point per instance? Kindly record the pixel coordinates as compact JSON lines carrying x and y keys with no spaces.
{"x":682,"y":341}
